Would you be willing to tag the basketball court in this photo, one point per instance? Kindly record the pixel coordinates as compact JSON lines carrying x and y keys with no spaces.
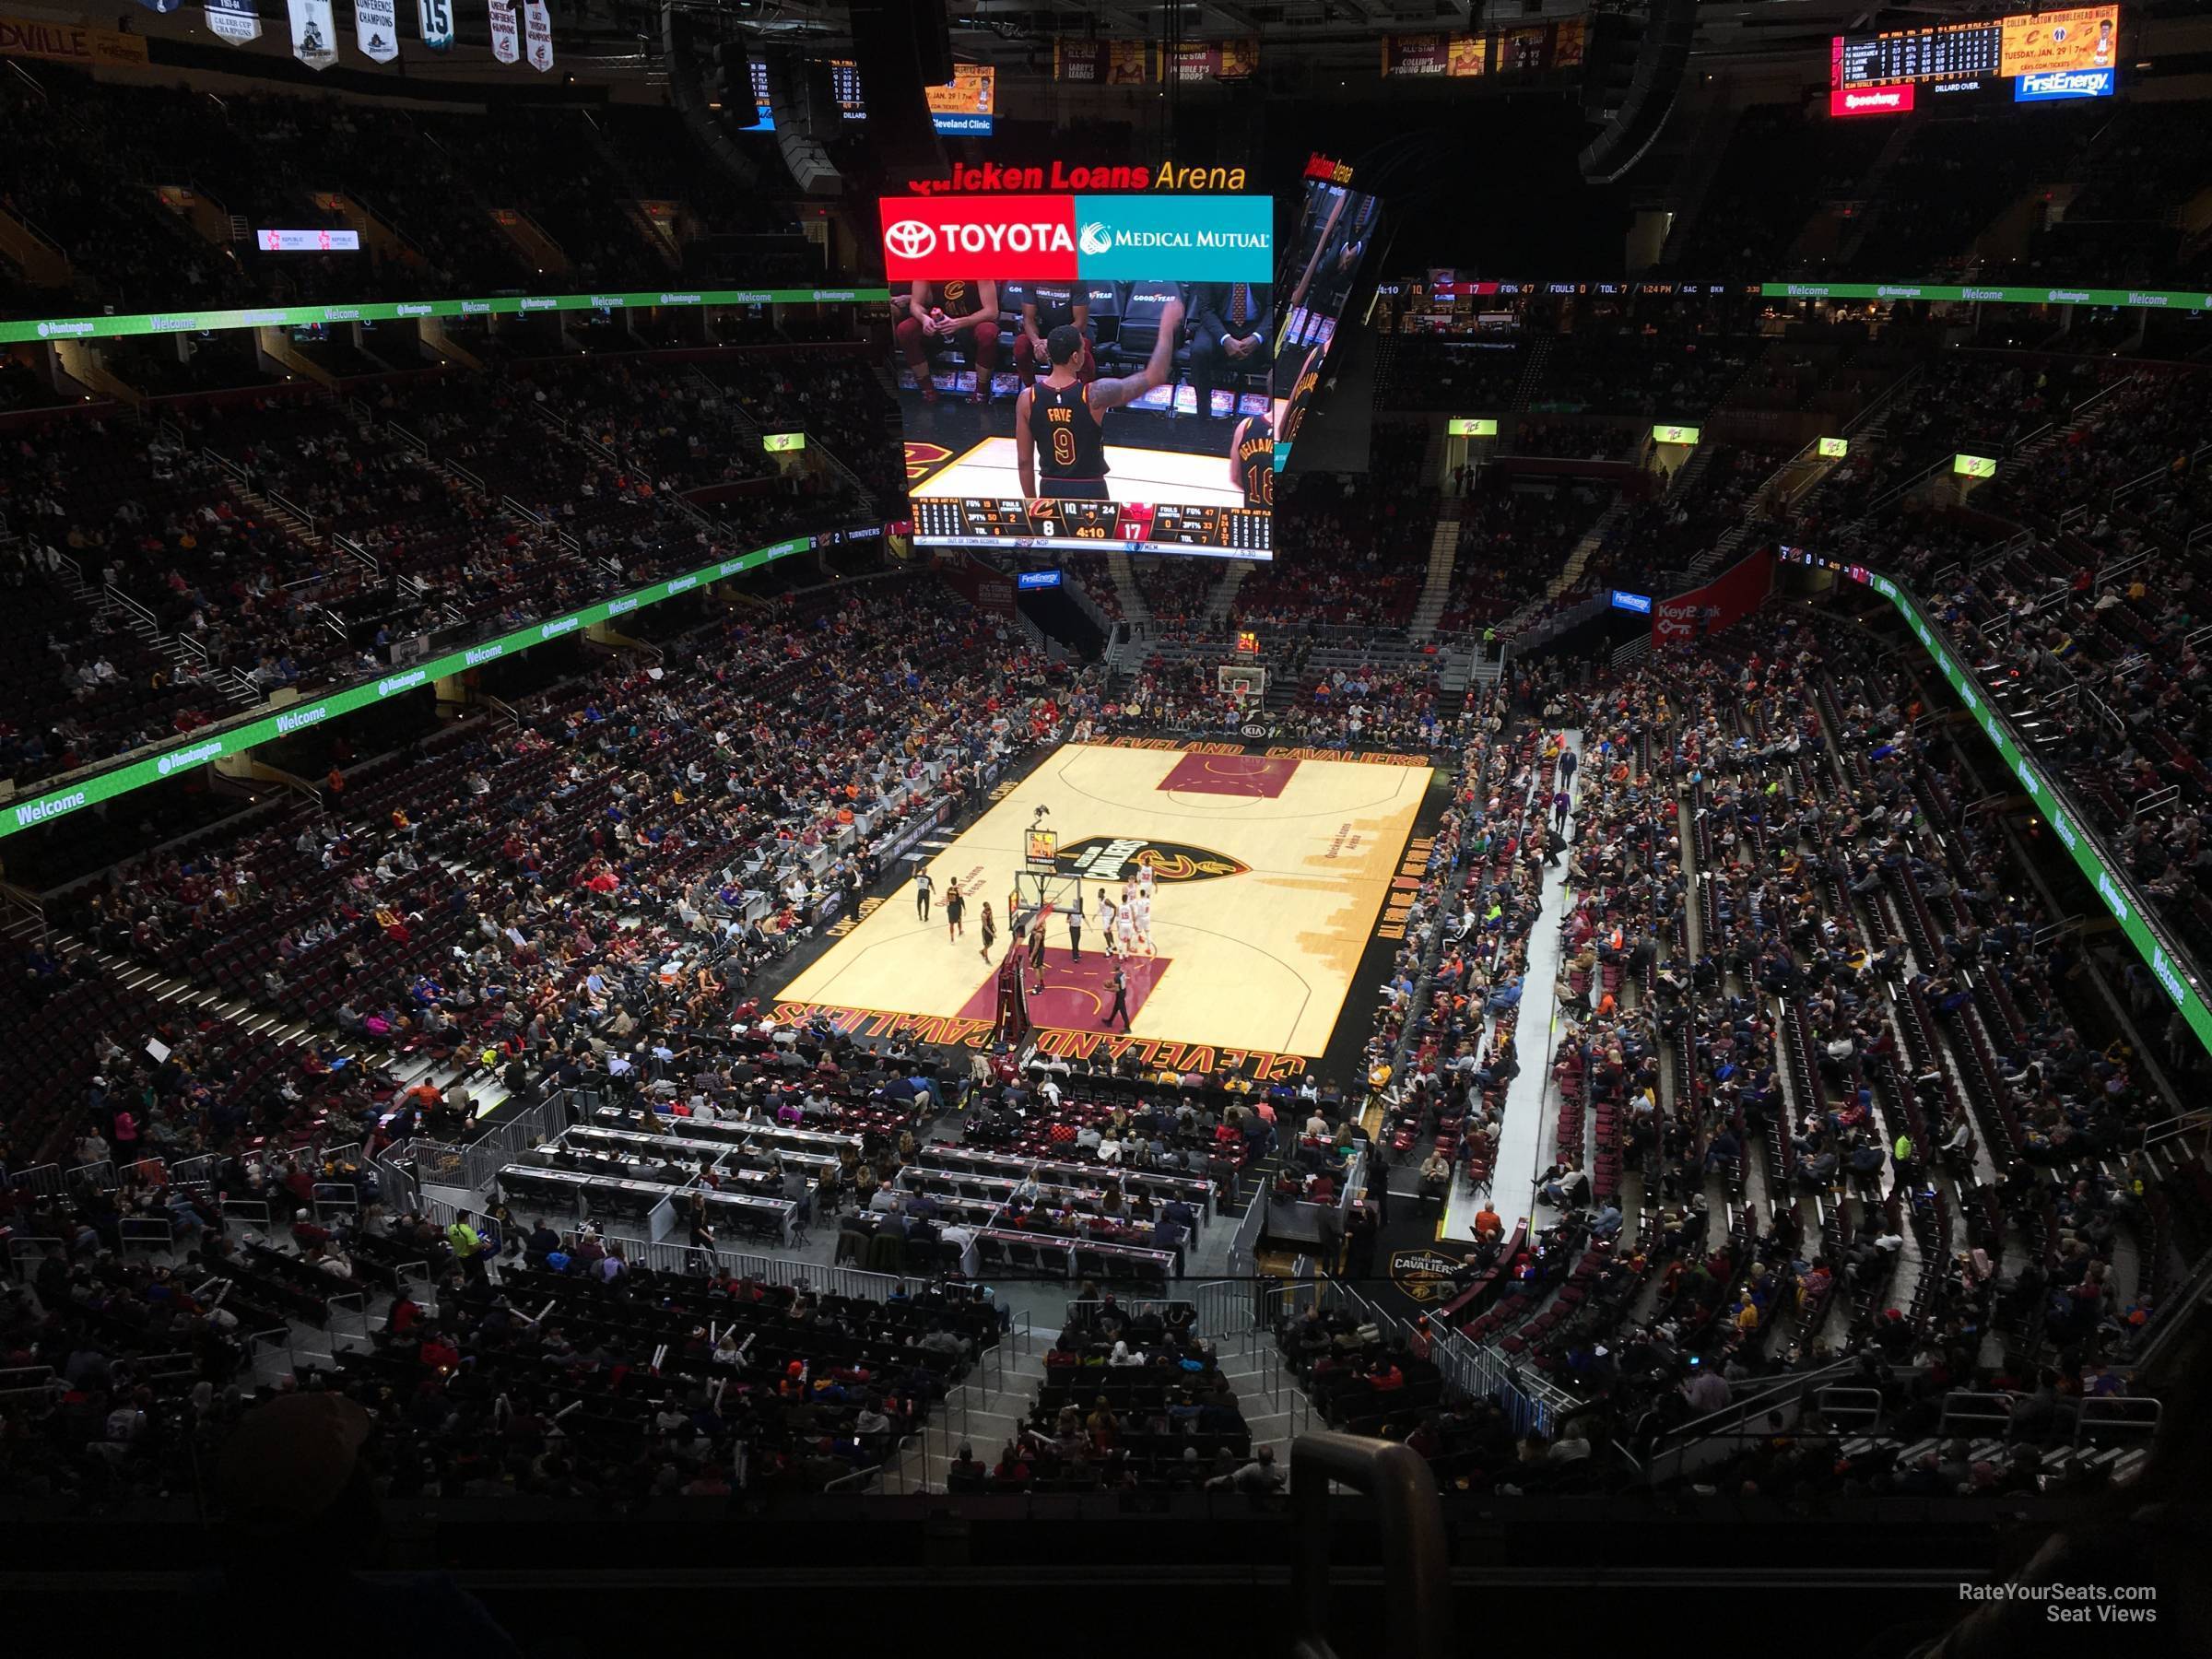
{"x":1270,"y":874}
{"x":987,"y":470}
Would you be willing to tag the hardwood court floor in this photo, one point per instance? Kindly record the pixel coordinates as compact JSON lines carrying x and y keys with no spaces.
{"x":1270,"y":875}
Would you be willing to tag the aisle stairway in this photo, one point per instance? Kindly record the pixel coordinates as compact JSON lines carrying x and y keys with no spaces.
{"x":1532,"y":372}
{"x":1221,"y":604}
{"x":1579,"y":560}
{"x":1134,"y":609}
{"x":1436,"y":592}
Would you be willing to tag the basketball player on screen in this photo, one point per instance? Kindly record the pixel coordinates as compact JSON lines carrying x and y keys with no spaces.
{"x":1057,"y":430}
{"x":1252,"y":460}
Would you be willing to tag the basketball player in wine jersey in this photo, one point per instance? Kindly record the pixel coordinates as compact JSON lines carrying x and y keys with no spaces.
{"x":1059,"y":442}
{"x":1252,"y":460}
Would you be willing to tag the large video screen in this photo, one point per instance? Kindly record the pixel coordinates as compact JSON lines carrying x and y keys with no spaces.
{"x":1335,"y":224}
{"x":2062,"y":53}
{"x":1078,"y":371}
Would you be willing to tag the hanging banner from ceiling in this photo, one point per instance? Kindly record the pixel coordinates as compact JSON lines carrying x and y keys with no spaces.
{"x":235,"y":21}
{"x":537,"y":34}
{"x":506,"y":40}
{"x":436,"y":21}
{"x":1211,"y":60}
{"x":1103,"y":62}
{"x":315,"y":33}
{"x":376,"y":29}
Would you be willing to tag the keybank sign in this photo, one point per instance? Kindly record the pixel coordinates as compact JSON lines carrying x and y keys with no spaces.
{"x":19,"y":816}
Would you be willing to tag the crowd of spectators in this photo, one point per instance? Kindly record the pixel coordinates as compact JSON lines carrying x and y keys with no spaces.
{"x":1931,"y":1175}
{"x":1513,"y":544}
{"x":1351,"y":549}
{"x":422,"y":188}
{"x":440,"y":502}
{"x":1661,"y":364}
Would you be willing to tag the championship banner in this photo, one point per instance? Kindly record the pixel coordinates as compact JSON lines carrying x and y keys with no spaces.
{"x":537,"y":32}
{"x":1570,"y":41}
{"x":1211,"y":60}
{"x":1522,"y":51}
{"x":376,"y":29}
{"x":162,"y":6}
{"x":69,"y":43}
{"x":1455,"y":56}
{"x":436,"y":21}
{"x":235,"y":21}
{"x":1102,"y":63}
{"x":506,"y":40}
{"x":315,"y":33}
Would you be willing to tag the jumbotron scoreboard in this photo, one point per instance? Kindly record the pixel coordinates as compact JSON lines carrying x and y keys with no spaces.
{"x":2066,"y":53}
{"x":998,"y":521}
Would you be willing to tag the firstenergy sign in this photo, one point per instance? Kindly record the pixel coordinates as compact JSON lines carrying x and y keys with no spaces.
{"x":1048,"y":238}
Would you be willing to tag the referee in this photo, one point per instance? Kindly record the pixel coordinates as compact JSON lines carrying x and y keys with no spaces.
{"x":1075,"y":927}
{"x":1121,"y":1000}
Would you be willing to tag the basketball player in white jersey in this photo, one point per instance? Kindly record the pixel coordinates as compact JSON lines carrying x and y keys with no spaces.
{"x":1144,"y":921}
{"x":1110,"y":918}
{"x":1124,"y":923}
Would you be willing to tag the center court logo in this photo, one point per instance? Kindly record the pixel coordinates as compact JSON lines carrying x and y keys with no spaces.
{"x":1095,"y":239}
{"x":911,"y":239}
{"x":1104,"y":858}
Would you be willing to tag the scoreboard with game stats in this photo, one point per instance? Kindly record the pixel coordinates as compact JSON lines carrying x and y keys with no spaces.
{"x":2062,"y":53}
{"x":999,"y":522}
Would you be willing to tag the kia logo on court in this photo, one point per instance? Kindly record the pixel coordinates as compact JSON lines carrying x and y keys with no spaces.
{"x":911,"y":239}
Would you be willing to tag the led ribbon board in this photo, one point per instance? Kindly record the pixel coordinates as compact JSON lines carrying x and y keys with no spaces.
{"x":386,"y":311}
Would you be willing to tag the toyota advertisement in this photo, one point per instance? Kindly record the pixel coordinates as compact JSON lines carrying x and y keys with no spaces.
{"x":1086,"y":369}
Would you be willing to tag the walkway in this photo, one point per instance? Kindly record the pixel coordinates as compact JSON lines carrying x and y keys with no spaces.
{"x":1532,"y":1104}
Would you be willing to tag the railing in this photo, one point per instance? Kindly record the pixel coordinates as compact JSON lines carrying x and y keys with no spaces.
{"x":22,"y":902}
{"x":44,"y":1179}
{"x":122,"y":601}
{"x":269,"y":1357}
{"x":27,"y":1381}
{"x":32,"y":1251}
{"x":146,"y":1232}
{"x":1244,"y":1245}
{"x":1719,"y":1434}
{"x":1410,"y":1526}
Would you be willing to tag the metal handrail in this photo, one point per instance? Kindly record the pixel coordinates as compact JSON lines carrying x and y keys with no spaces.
{"x":1409,"y":1526}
